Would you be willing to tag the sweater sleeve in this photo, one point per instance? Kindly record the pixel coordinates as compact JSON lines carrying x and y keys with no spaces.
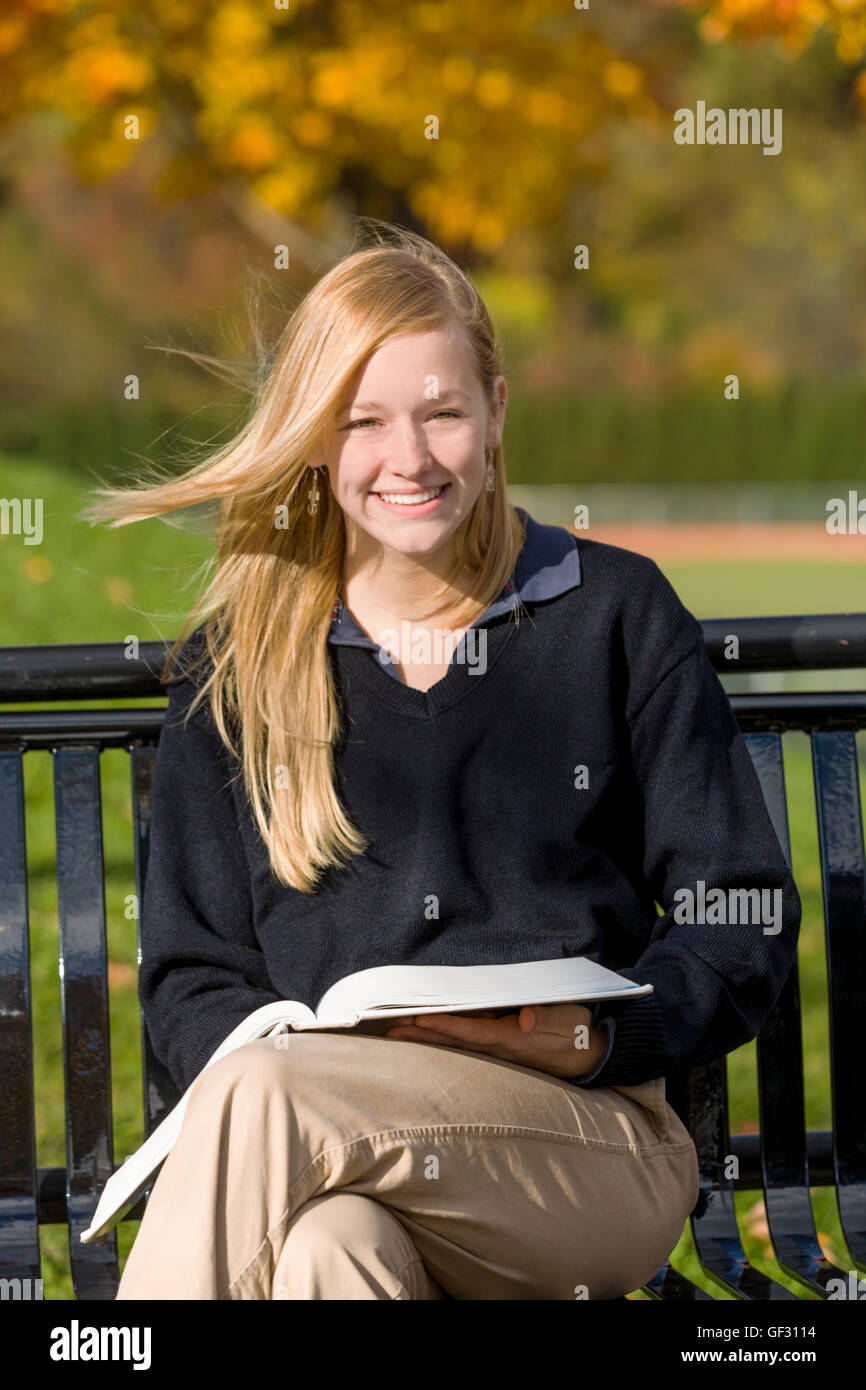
{"x":716,"y":976}
{"x":201,"y":970}
{"x":608,"y":1027}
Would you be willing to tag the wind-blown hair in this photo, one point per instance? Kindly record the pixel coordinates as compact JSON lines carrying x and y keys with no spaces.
{"x":267,"y":610}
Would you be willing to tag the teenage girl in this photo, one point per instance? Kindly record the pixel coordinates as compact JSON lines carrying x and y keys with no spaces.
{"x":412,"y":724}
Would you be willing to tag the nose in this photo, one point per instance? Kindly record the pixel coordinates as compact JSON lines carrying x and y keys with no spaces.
{"x":411,"y":453}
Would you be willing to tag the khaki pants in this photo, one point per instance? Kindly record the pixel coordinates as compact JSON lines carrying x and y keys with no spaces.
{"x":343,"y":1166}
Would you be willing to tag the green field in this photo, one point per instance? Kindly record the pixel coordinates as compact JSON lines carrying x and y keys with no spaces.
{"x":93,"y":584}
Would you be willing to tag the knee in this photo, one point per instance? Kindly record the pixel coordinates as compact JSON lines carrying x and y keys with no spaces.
{"x":346,"y":1221}
{"x":257,"y":1066}
{"x":348,"y":1246}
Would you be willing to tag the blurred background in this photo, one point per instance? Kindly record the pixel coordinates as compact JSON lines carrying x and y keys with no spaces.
{"x":155,"y":157}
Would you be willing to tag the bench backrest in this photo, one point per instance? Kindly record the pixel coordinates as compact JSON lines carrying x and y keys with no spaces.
{"x":784,"y":1159}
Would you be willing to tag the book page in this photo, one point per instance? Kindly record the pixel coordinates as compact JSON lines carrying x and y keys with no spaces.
{"x":405,"y":989}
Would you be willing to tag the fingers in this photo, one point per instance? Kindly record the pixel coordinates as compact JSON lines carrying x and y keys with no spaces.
{"x":547,"y":1043}
{"x":474,"y":1029}
{"x":556,"y":1018}
{"x":408,"y":1033}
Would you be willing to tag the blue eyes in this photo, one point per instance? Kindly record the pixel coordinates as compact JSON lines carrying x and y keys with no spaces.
{"x":455,"y":414}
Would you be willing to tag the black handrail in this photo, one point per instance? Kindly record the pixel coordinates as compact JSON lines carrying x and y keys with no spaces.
{"x":102,"y":670}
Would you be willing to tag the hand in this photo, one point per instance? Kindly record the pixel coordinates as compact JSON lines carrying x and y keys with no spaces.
{"x":556,"y":1038}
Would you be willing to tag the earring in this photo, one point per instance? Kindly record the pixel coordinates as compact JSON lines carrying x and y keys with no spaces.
{"x":491,"y":472}
{"x":313,"y":504}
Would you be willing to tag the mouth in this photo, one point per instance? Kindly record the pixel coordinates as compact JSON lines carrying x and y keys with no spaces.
{"x":418,"y":501}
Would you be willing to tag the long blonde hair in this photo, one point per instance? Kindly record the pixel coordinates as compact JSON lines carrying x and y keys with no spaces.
{"x":274,"y":586}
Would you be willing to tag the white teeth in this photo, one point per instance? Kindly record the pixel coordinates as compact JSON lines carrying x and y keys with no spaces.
{"x":414,"y":500}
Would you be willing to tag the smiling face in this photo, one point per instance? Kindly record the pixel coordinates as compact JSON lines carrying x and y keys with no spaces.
{"x":406,"y":453}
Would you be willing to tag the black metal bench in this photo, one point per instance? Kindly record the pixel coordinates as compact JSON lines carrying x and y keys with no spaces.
{"x":783,"y":1159}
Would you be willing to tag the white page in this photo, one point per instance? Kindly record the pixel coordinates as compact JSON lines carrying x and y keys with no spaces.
{"x":405,"y":989}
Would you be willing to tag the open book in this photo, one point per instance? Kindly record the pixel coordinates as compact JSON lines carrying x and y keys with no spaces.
{"x":387,"y":991}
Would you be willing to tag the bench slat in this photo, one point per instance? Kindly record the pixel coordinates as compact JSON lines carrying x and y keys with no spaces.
{"x":84,"y":1004}
{"x":714,"y":1219}
{"x":160,"y":1092}
{"x":843,"y":878}
{"x":781,"y":1093}
{"x":19,"y":1213}
{"x":671,"y":1286}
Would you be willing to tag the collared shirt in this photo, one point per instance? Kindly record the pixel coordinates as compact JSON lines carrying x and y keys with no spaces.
{"x":548,"y":565}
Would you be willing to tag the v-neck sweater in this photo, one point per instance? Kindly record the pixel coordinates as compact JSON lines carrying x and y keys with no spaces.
{"x":562,"y":803}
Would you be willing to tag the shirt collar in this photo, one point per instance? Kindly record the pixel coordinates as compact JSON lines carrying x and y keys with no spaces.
{"x":548,"y":565}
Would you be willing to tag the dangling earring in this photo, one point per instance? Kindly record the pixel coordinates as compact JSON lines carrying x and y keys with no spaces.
{"x":313,"y":504}
{"x":491,"y":472}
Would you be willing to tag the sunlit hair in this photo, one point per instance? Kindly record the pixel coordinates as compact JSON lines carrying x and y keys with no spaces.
{"x":267,"y":609}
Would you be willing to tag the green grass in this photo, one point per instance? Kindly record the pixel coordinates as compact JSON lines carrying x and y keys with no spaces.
{"x":92,"y":584}
{"x":768,"y":590}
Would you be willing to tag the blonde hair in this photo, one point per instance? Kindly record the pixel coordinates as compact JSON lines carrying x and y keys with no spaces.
{"x":273,"y":590}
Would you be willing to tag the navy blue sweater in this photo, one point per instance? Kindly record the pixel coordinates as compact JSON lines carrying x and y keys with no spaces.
{"x":488,"y":843}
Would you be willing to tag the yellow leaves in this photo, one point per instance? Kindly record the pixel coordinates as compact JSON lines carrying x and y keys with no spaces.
{"x":100,"y":156}
{"x":176,"y":16}
{"x":489,"y":232}
{"x":182,"y":61}
{"x":621,"y":79}
{"x":434,"y":18}
{"x":291,"y":188}
{"x":546,"y":108}
{"x":333,"y":82}
{"x":714,"y":29}
{"x":794,"y":22}
{"x":519,"y":301}
{"x":225,"y":83}
{"x":364,"y":81}
{"x":252,"y":146}
{"x":454,"y":216}
{"x":457,"y":75}
{"x":12,"y":32}
{"x":237,"y":28}
{"x":54,"y":8}
{"x":313,"y":128}
{"x":100,"y":73}
{"x":286,"y":100}
{"x":852,"y":40}
{"x":494,"y":88}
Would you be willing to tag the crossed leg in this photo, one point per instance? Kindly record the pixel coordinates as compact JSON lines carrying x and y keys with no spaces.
{"x":345,"y":1246}
{"x":505,"y":1182}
